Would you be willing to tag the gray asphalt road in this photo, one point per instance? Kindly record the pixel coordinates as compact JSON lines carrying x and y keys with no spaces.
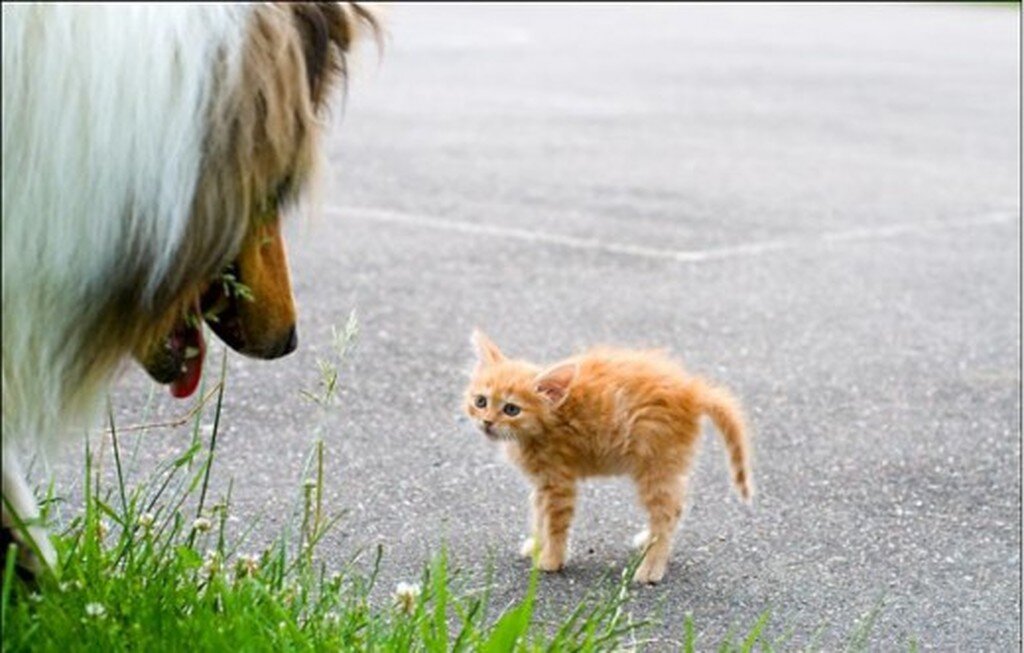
{"x":818,"y":206}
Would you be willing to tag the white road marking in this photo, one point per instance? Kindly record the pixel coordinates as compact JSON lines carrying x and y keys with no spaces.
{"x":683,"y":256}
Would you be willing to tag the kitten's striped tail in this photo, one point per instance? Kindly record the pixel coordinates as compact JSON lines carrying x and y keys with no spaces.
{"x":725,"y":412}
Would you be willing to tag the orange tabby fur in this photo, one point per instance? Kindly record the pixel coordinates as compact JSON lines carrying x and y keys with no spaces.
{"x":604,"y":412}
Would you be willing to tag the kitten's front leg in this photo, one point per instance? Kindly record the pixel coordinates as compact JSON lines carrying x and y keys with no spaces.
{"x":531,"y":545}
{"x":557,"y":501}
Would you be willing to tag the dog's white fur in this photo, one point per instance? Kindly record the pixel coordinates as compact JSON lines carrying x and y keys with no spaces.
{"x":78,"y":192}
{"x":105,"y":114}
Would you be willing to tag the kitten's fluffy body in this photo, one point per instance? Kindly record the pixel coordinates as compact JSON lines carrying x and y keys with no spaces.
{"x":604,"y":412}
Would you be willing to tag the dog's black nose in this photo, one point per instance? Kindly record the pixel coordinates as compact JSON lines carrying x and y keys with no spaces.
{"x":291,"y":343}
{"x":284,"y":346}
{"x":266,"y":350}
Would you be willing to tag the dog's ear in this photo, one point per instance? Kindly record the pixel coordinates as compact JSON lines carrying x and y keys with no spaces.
{"x":327,"y":31}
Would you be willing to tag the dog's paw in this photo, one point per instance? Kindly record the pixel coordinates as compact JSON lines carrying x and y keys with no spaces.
{"x":529,"y":547}
{"x":27,"y":564}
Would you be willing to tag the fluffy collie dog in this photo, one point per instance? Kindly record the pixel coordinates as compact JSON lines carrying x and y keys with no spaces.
{"x":147,"y":151}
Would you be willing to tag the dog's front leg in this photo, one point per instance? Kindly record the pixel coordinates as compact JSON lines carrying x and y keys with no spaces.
{"x":20,"y":517}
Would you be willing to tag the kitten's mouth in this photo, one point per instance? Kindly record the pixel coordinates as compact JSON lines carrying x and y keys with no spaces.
{"x":491,"y":433}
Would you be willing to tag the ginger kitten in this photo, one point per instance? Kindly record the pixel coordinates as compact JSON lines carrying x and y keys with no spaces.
{"x":604,"y":412}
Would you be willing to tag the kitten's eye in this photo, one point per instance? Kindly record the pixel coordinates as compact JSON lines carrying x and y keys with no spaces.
{"x":480,"y":401}
{"x":511,"y":410}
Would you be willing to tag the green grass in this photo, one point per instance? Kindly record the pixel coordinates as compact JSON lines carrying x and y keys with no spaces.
{"x":143,"y":570}
{"x":153,"y":567}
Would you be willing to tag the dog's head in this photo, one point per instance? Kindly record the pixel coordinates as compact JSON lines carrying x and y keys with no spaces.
{"x":261,"y":149}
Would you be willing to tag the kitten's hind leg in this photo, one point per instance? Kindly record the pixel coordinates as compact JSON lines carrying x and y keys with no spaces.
{"x":662,"y":496}
{"x":557,"y":501}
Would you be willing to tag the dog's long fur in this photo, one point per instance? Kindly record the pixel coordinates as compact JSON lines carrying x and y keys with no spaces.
{"x":146,"y":148}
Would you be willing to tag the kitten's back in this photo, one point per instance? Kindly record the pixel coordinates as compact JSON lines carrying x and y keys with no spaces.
{"x":645,"y":406}
{"x":637,"y":405}
{"x":637,"y":379}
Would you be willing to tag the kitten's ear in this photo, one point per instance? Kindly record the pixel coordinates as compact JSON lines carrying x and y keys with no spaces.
{"x":553,"y":383}
{"x":486,"y":350}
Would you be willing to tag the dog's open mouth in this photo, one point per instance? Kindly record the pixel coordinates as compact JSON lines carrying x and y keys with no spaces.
{"x":178,"y":359}
{"x":249,"y":306}
{"x":187,"y":343}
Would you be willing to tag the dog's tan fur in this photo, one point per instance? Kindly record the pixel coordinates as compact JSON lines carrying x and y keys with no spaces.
{"x":262,"y":148}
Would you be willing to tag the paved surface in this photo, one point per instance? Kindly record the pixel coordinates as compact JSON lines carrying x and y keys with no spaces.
{"x":817,"y":206}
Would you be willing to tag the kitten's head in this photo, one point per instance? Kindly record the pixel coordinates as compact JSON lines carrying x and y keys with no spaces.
{"x":512,"y":400}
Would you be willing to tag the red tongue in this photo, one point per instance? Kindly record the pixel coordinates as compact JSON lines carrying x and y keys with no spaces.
{"x":192,"y":369}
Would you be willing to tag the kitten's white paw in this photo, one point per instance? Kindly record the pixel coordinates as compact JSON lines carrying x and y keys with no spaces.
{"x":650,"y":571}
{"x":551,"y":561}
{"x":642,"y":539}
{"x":529,"y":547}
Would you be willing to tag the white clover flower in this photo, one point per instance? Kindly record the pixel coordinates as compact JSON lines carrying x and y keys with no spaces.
{"x":202,"y":524}
{"x":146,"y":520}
{"x":247,"y":565}
{"x":406,"y":595}
{"x":211,"y":565}
{"x":290,"y":593}
{"x":95,"y":610}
